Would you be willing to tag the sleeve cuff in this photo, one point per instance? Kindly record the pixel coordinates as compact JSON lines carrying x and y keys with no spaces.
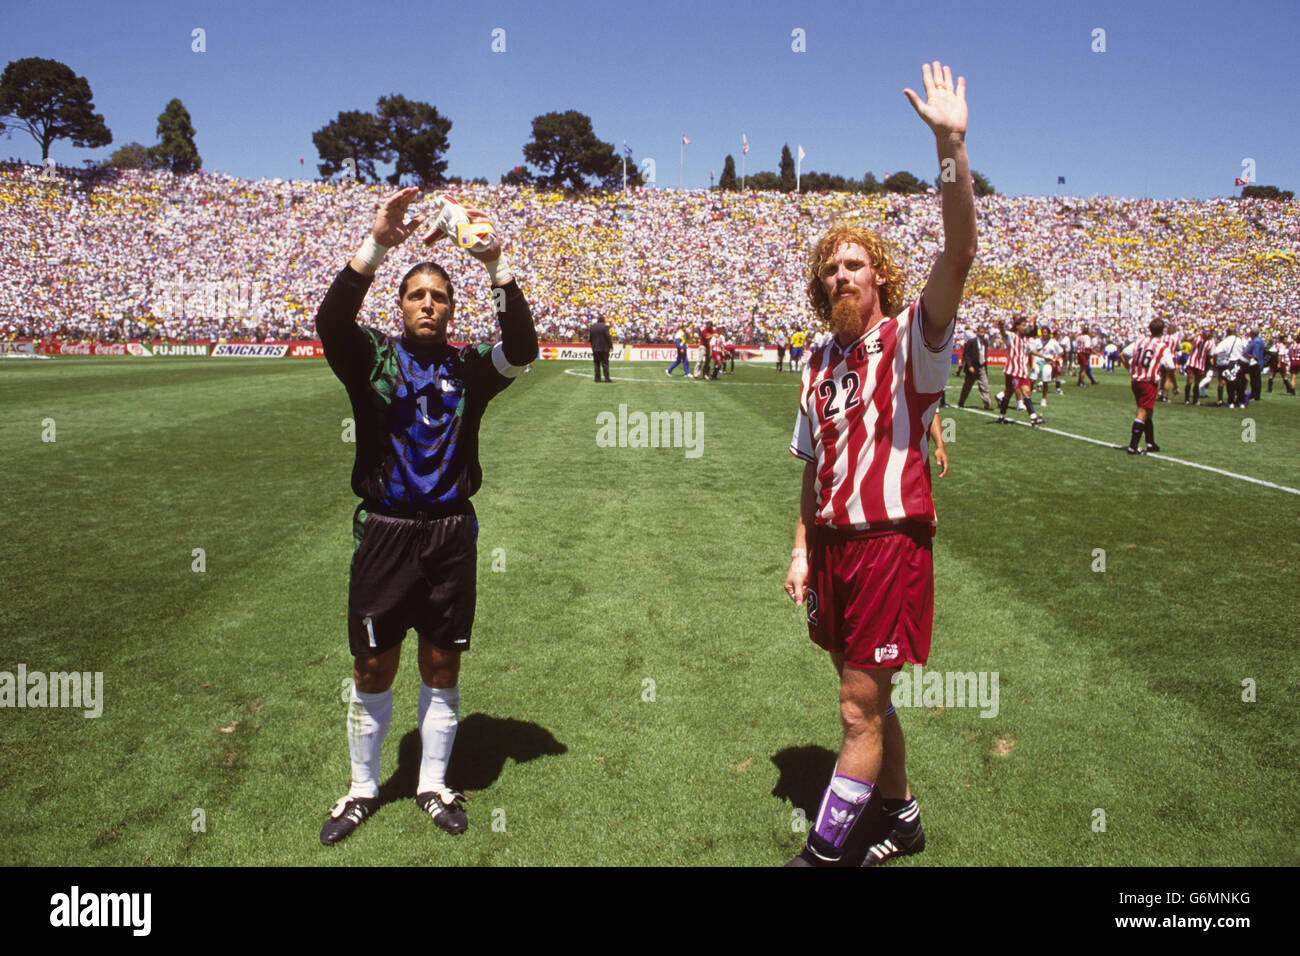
{"x":502,"y":364}
{"x":946,"y":344}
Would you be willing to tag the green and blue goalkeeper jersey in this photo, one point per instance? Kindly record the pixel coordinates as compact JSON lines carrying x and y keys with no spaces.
{"x":417,"y":410}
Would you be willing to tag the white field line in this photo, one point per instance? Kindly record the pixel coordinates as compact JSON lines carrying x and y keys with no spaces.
{"x":667,"y":381}
{"x":1107,"y":444}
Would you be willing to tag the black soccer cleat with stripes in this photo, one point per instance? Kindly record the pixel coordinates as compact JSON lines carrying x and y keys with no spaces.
{"x":444,"y":807}
{"x":347,"y":814}
{"x":895,"y":842}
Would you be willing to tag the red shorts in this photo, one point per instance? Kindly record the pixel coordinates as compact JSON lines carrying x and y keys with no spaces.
{"x":1145,"y":393}
{"x":1016,"y":382}
{"x":871,"y":595}
{"x":1295,"y":367}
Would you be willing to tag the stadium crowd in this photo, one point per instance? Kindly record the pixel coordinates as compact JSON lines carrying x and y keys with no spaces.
{"x":112,"y":256}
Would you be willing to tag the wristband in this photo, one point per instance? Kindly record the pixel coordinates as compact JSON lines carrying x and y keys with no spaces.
{"x":498,"y":270}
{"x":371,"y":252}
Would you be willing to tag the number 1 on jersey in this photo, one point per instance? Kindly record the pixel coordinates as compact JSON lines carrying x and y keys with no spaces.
{"x":422,"y":403}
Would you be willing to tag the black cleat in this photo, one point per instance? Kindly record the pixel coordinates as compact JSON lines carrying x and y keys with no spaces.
{"x":805,"y":858}
{"x":346,"y":816}
{"x":1133,"y":451}
{"x":445,"y":808}
{"x":1153,"y":448}
{"x":895,"y":843}
{"x":1002,"y":419}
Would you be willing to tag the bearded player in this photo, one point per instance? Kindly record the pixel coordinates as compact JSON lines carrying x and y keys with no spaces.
{"x":417,"y":403}
{"x":862,"y":558}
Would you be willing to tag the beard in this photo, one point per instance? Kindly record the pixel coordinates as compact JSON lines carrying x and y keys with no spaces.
{"x":844,"y":316}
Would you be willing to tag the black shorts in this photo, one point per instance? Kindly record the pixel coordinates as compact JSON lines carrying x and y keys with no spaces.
{"x":410,"y":573}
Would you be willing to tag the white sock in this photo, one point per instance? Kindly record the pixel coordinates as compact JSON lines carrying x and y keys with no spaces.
{"x":368,"y":718}
{"x":437,"y":714}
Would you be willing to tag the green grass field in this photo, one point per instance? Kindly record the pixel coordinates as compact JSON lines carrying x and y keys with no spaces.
{"x":640,"y":690}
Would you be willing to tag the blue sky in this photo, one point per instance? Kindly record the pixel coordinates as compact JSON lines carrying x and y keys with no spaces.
{"x":1179,"y":98}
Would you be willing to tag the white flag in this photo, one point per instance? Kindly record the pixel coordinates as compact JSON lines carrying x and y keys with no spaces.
{"x":802,"y":154}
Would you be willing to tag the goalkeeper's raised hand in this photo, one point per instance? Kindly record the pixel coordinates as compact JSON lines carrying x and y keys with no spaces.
{"x":390,"y":229}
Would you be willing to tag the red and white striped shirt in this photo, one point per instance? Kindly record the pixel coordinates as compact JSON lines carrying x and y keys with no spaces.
{"x":1083,"y":344}
{"x":1017,"y":357}
{"x":1146,"y":356}
{"x":1200,"y":353}
{"x":864,"y":419}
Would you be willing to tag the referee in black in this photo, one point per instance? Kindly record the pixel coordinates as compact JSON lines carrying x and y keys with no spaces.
{"x":417,"y":403}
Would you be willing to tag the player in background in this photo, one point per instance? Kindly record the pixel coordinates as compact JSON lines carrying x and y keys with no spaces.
{"x":1169,"y":376}
{"x":719,"y":354}
{"x":1197,"y":360}
{"x":679,"y":341}
{"x":1144,"y":358}
{"x":1274,"y":358}
{"x":780,"y":348}
{"x":731,"y":355}
{"x":1083,"y":349}
{"x":1253,"y":367}
{"x":704,"y":368}
{"x":862,"y":560}
{"x":1233,"y":350}
{"x":417,"y":403}
{"x":1017,"y":371}
{"x":1219,"y":356}
{"x":796,"y":349}
{"x":1293,"y":364}
{"x":1049,"y":356}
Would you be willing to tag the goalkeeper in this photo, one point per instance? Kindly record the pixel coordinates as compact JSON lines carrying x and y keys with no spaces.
{"x":417,"y":403}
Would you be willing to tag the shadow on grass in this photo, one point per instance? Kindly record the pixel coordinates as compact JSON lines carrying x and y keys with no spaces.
{"x":483,"y":743}
{"x":804,"y":774}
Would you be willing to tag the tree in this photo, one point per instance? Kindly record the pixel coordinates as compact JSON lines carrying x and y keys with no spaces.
{"x":519,"y":176}
{"x":354,"y":135}
{"x":765,"y":181}
{"x":1266,"y":192}
{"x":50,"y":102}
{"x":870,"y":185}
{"x":176,"y":149}
{"x":981,"y":186}
{"x":133,"y":156}
{"x":826,"y":183}
{"x":565,"y":148}
{"x":416,"y":134}
{"x":787,"y":170}
{"x":904,"y":182}
{"x":728,"y":178}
